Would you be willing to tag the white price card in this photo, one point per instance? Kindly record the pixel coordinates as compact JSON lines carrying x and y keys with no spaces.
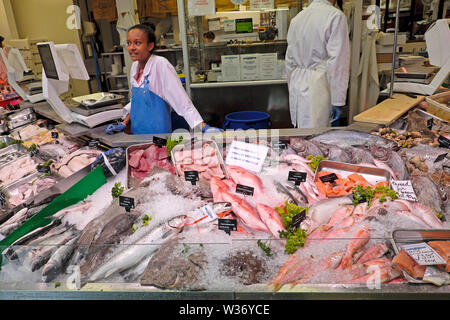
{"x":404,"y":189}
{"x":249,"y":156}
{"x":256,"y":5}
{"x":423,"y":254}
{"x":203,"y":214}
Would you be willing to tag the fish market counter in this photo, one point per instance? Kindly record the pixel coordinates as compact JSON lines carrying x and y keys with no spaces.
{"x":280,"y":214}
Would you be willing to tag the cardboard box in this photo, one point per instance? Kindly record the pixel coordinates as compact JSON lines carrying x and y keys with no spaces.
{"x":250,"y":66}
{"x":386,"y":49}
{"x":268,"y":66}
{"x":231,"y":67}
{"x":384,"y":57}
{"x":388,"y":38}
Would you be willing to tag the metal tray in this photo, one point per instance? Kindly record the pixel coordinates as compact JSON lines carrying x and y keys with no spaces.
{"x":408,"y":236}
{"x":191,"y":146}
{"x":114,"y":99}
{"x":132,"y":181}
{"x":6,"y":158}
{"x":6,"y":139}
{"x":9,"y":190}
{"x":16,"y":131}
{"x":35,"y":159}
{"x":425,"y":114}
{"x":21,"y":118}
{"x":372,"y":175}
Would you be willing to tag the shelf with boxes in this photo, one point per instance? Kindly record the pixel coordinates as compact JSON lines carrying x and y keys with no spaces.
{"x":28,"y":49}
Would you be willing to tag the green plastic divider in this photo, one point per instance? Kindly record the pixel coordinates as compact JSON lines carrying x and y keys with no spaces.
{"x":79,"y":191}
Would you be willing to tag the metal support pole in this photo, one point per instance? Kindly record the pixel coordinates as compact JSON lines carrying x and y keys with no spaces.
{"x":394,"y":55}
{"x":184,"y":45}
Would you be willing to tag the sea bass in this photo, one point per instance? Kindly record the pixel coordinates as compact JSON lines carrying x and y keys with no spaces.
{"x":348,"y":138}
{"x":321,"y":212}
{"x":58,"y":260}
{"x":139,"y":250}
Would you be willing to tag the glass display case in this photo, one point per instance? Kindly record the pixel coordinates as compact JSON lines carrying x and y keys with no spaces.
{"x":229,"y":46}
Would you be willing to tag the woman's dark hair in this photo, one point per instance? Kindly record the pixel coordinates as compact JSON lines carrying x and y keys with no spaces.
{"x":339,"y":3}
{"x":1,"y":39}
{"x":149,"y":31}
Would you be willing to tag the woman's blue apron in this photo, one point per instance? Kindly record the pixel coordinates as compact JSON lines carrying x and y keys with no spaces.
{"x":149,"y":114}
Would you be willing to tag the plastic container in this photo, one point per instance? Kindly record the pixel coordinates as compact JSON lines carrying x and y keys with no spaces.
{"x":247,"y":120}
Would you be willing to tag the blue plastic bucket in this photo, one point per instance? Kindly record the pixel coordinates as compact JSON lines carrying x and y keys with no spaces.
{"x":247,"y":120}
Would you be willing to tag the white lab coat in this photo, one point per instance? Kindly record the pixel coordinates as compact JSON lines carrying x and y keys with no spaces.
{"x":165,"y":82}
{"x":317,"y":64}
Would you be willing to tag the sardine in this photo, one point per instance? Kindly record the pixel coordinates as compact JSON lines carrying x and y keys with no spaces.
{"x":348,"y":138}
{"x":139,"y":250}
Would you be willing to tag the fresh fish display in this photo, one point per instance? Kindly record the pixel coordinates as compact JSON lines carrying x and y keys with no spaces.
{"x":140,"y":249}
{"x":343,"y":238}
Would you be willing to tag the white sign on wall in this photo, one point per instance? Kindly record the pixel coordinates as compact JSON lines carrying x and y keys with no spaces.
{"x":261,"y":4}
{"x":201,"y":7}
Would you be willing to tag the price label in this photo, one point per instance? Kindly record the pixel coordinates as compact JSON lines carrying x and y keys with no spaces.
{"x":430,"y":123}
{"x":245,"y":190}
{"x":249,"y":156}
{"x":280,"y":145}
{"x":423,"y":254}
{"x":43,"y":169}
{"x":227,"y":225}
{"x":329,"y":178}
{"x":444,"y":142}
{"x":440,"y":157}
{"x":34,"y":152}
{"x":297,"y":177}
{"x":297,"y":219}
{"x":94,"y":143}
{"x":160,"y":142}
{"x":404,"y":189}
{"x":204,"y":214}
{"x":126,"y":202}
{"x":55,"y":135}
{"x":2,"y":199}
{"x":191,"y":176}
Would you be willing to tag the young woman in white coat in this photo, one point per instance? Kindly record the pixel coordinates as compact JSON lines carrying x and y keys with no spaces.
{"x":317,"y":65}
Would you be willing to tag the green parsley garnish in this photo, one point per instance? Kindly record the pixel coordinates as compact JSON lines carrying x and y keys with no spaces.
{"x":171,"y":143}
{"x":146,"y":220}
{"x":314,"y":161}
{"x":294,"y":237}
{"x":367,"y":194}
{"x":117,"y":190}
{"x":265,"y":248}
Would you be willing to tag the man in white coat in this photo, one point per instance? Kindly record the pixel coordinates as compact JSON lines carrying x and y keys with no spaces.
{"x":317,"y":65}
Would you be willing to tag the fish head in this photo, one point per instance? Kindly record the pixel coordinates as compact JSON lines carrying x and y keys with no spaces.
{"x":177,"y":222}
{"x":220,"y":207}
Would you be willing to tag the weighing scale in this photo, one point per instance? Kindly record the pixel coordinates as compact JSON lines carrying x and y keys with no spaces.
{"x":437,"y":38}
{"x":61,"y":62}
{"x":15,"y":64}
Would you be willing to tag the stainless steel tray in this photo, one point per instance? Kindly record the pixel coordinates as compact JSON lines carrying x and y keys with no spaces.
{"x":408,"y":236}
{"x":36,"y":160}
{"x":192,"y":145}
{"x":427,"y":114}
{"x":11,"y":189}
{"x":94,"y":100}
{"x":11,"y":153}
{"x":132,"y":181}
{"x":15,"y":133}
{"x":7,"y":140}
{"x":371,"y":174}
{"x":21,"y":118}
